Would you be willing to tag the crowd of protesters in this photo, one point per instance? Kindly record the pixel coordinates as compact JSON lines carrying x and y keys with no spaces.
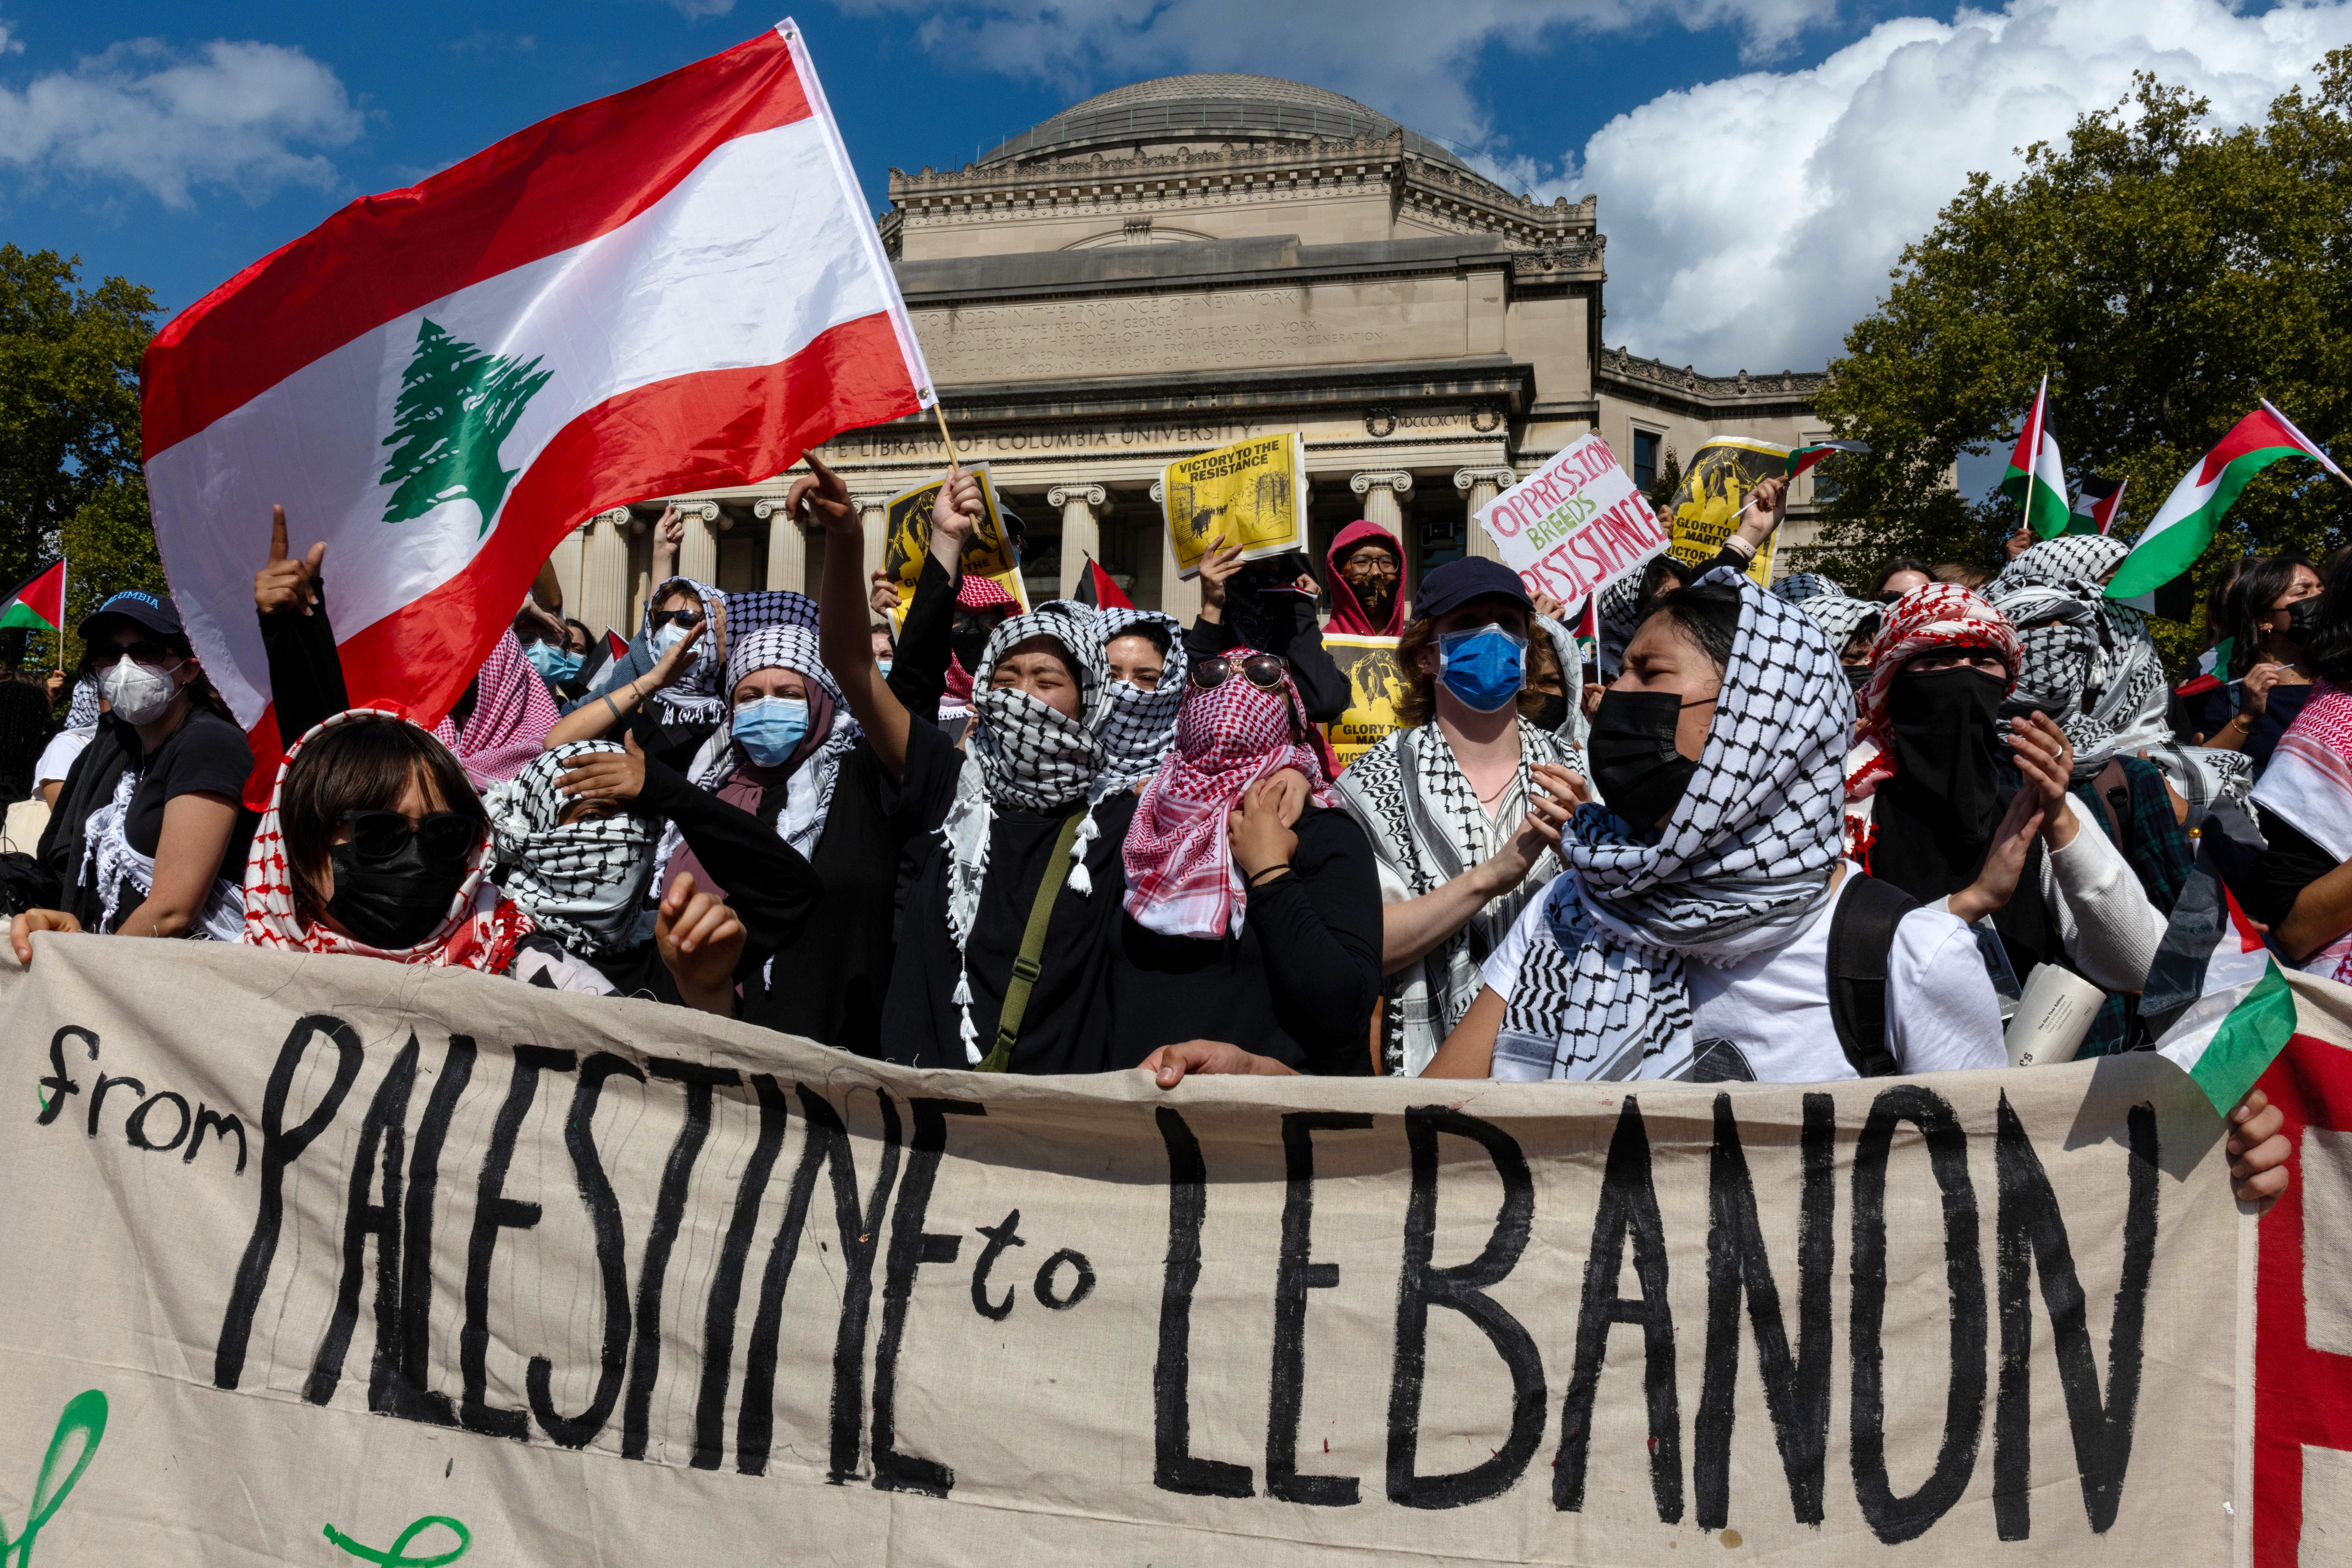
{"x":1783,"y":835}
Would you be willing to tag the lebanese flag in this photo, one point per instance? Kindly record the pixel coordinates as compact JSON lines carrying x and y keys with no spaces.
{"x":2185,"y":525}
{"x":1801,"y":459}
{"x":1097,"y":591}
{"x":2036,"y":479}
{"x":38,"y":602}
{"x":2097,"y":505}
{"x":675,"y":288}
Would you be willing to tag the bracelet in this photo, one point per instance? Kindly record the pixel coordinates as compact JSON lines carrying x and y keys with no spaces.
{"x":618,"y":717}
{"x":1259,"y":876}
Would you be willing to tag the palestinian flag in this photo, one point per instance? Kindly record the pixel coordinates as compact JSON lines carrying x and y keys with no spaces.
{"x":1097,"y":591}
{"x":2184,"y":527}
{"x":1801,"y":459}
{"x":675,"y":288}
{"x":2210,"y":666}
{"x":38,"y":602}
{"x":2225,"y":1058}
{"x":2036,"y":479}
{"x":616,"y":645}
{"x":2097,"y":505}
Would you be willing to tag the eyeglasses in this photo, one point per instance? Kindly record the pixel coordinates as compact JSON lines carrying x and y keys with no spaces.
{"x":147,"y":653}
{"x":1264,"y":670}
{"x":687,"y":619}
{"x":1370,"y":565}
{"x":448,"y":836}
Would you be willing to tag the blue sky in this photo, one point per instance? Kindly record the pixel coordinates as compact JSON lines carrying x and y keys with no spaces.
{"x":1759,"y":164}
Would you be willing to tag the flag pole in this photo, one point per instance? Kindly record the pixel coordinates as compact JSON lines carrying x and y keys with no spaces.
{"x":940,"y":412}
{"x":65,"y":582}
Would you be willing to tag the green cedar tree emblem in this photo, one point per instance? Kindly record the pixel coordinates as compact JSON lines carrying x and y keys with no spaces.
{"x":456,"y":405}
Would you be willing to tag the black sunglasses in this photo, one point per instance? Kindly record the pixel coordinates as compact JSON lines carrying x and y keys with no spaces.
{"x":687,"y":619}
{"x":447,"y":837}
{"x":1262,"y":670}
{"x":142,"y":653}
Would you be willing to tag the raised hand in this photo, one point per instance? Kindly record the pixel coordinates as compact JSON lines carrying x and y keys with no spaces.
{"x":2046,"y":758}
{"x":1549,"y":607}
{"x":672,"y":664}
{"x":617,"y":776}
{"x":282,"y":582}
{"x":1768,"y":503}
{"x":669,"y":532}
{"x":1217,"y":568}
{"x":700,"y":939}
{"x":822,"y":497}
{"x":884,"y":596}
{"x":1996,"y":884}
{"x":958,"y":507}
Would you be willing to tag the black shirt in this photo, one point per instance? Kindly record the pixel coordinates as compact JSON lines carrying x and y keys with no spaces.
{"x":2268,"y":882}
{"x":205,"y":755}
{"x":2221,"y":705}
{"x":1298,"y":985}
{"x":1067,"y":1025}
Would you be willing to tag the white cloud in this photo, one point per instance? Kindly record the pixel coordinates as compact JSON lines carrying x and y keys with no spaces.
{"x":1407,"y":58}
{"x":228,"y":114}
{"x":1751,"y":221}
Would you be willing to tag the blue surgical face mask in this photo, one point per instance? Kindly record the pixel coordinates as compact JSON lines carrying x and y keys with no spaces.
{"x":884,"y":666}
{"x":669,"y":637}
{"x":770,"y":729}
{"x":551,"y":662}
{"x":1484,"y":666}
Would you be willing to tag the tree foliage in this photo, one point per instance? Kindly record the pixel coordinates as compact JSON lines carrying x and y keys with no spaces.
{"x":70,"y":477}
{"x":2165,"y":274}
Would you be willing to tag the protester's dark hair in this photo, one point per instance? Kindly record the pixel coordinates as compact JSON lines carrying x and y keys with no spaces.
{"x":2258,"y":588}
{"x":2218,"y":613}
{"x":96,"y":656}
{"x":1662,"y":575}
{"x":587,"y":637}
{"x":1899,"y":563}
{"x":25,"y":728}
{"x":1416,"y":702}
{"x":1151,"y":632}
{"x":2328,"y":652}
{"x":1707,"y":614}
{"x":364,"y":764}
{"x":2335,"y":564}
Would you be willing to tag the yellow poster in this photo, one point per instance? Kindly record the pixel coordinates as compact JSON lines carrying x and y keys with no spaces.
{"x":1250,"y":492}
{"x":1374,"y":685}
{"x":988,"y":553}
{"x":1707,"y":507}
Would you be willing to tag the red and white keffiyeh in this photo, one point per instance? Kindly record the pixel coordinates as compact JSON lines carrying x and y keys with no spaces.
{"x":1934,"y":619}
{"x":479,"y":932}
{"x":513,"y":715}
{"x":1180,"y":876}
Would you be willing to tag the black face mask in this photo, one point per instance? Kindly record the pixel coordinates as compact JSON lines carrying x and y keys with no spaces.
{"x":1376,"y":597}
{"x":2302,"y":618}
{"x":1857,"y":675}
{"x":394,"y":903}
{"x":1639,"y":775}
{"x":969,"y":642}
{"x":1552,"y":714}
{"x":1947,"y":743}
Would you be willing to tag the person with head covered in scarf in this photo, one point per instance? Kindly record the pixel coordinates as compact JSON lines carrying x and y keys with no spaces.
{"x":1850,"y":623}
{"x":1250,"y":923}
{"x":673,"y":707}
{"x":1931,"y":807}
{"x":1142,"y":661}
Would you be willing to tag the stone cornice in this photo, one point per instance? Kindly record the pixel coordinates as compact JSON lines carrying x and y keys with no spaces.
{"x":1629,"y":374}
{"x":1505,"y":383}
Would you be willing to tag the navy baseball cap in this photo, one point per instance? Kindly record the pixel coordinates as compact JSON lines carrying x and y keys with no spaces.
{"x":153,"y":611}
{"x":1456,"y":583}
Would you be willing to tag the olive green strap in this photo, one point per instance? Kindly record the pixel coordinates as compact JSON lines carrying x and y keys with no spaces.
{"x":1025,"y":968}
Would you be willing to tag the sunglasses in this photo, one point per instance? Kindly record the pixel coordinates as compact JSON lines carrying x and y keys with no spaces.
{"x":687,"y":619}
{"x":448,"y":836}
{"x":1264,"y":670}
{"x":147,"y":653}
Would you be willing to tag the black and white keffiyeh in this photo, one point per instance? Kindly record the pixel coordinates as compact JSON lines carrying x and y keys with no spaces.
{"x":1747,"y":856}
{"x":1023,"y":754}
{"x":82,"y":714}
{"x":1616,"y":614}
{"x":583,"y":882}
{"x":753,"y":609}
{"x":1426,"y":826}
{"x":1798,"y":586}
{"x":1839,"y":617}
{"x":1576,"y":727}
{"x":694,"y":698}
{"x":1138,"y":726}
{"x":2062,"y":667}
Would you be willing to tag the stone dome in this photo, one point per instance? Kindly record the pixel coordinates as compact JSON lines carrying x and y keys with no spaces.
{"x":1225,"y":106}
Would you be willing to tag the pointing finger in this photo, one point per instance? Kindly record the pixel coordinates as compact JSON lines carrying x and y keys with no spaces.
{"x":276,"y":534}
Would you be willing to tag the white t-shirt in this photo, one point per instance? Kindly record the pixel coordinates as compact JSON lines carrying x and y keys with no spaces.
{"x":57,"y":759}
{"x":1773,"y":1010}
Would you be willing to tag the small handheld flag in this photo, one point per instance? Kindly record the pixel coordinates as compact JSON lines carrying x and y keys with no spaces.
{"x":38,"y":602}
{"x":2184,"y":525}
{"x":616,"y":644}
{"x":2097,"y":505}
{"x":2036,"y":479}
{"x":1801,"y":459}
{"x":1098,"y":591}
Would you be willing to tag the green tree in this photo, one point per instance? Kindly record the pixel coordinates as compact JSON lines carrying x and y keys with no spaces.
{"x":456,"y":405}
{"x":2165,"y":274}
{"x":69,"y":453}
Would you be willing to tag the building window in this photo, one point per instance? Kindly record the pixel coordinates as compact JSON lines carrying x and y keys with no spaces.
{"x":1645,"y":460}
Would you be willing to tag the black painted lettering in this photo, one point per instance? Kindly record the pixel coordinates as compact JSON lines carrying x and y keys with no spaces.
{"x":383,"y":1138}
{"x":1461,"y":1287}
{"x":1175,"y":1468}
{"x":60,"y":1083}
{"x":1796,"y":1391}
{"x":404,"y":1394}
{"x":1899,"y":1518}
{"x":1082,"y":1280}
{"x":221,"y":1127}
{"x":1628,"y":1202}
{"x":2032,"y":1233}
{"x":494,"y":1212}
{"x":669,"y":1210}
{"x":611,"y":1263}
{"x":1000,"y":1236}
{"x":280,"y":1149}
{"x":1296,"y":1273}
{"x":135,"y":1133}
{"x":727,"y":1284}
{"x":97,"y":1094}
{"x":911,"y":1247}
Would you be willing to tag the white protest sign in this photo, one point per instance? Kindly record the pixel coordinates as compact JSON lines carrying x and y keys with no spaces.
{"x":1576,"y":524}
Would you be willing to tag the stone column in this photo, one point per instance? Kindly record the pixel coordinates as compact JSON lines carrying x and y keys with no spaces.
{"x":874,"y":522}
{"x":1481,"y":485}
{"x":1380,"y":491}
{"x":787,"y":547}
{"x":1081,"y":530}
{"x":604,"y":573}
{"x":565,"y":559}
{"x":1178,"y":596}
{"x":698,"y":552}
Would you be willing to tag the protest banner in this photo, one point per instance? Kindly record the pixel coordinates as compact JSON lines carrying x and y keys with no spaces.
{"x":1575,"y":525}
{"x":907,"y":538}
{"x":319,"y":1258}
{"x":1374,"y":685}
{"x":1251,"y":492}
{"x":1706,"y":506}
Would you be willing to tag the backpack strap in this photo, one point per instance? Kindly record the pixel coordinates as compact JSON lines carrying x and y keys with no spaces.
{"x":1026,"y":967}
{"x":1862,"y":936}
